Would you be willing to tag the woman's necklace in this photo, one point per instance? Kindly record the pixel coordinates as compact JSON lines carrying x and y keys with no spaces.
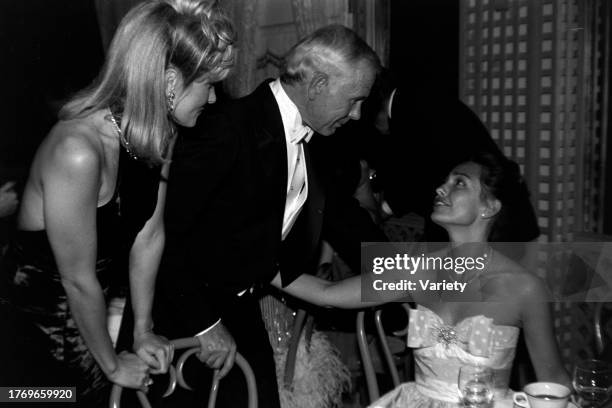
{"x":122,"y":138}
{"x":488,"y":256}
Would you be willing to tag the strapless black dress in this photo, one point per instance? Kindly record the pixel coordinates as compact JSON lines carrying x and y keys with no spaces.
{"x":40,"y":344}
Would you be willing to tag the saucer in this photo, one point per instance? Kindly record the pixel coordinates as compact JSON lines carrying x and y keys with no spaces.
{"x":570,"y":404}
{"x":510,"y":404}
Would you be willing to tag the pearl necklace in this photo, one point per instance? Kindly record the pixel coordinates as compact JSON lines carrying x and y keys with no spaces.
{"x":122,"y":138}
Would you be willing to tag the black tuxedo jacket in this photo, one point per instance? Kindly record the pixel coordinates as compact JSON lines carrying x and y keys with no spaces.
{"x":224,"y":213}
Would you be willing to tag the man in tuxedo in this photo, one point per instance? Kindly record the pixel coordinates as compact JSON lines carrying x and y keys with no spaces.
{"x":245,"y":206}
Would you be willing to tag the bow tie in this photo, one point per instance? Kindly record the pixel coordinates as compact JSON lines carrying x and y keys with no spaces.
{"x":302,"y":134}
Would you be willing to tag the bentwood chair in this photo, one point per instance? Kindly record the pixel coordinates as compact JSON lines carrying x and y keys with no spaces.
{"x":388,"y":353}
{"x":600,"y":251}
{"x":176,"y":377}
{"x":599,"y":326}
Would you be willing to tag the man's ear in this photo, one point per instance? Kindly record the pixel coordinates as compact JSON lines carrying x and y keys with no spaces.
{"x":492,"y":207}
{"x":172,"y":79}
{"x":318,"y":83}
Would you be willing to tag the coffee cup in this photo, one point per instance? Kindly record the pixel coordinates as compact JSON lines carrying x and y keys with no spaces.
{"x":542,"y":395}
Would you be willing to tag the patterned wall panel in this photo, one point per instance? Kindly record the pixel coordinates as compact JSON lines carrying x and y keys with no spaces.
{"x":534,"y":71}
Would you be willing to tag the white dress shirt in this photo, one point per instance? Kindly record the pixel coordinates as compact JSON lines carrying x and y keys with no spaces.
{"x":297,"y":179}
{"x":295,"y":133}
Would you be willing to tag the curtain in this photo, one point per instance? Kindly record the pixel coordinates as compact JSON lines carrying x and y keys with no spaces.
{"x":312,"y":14}
{"x":372,"y":22}
{"x":244,"y":15}
{"x":369,"y":18}
{"x":110,"y":13}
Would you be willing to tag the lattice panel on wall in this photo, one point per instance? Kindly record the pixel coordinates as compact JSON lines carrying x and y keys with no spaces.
{"x":597,"y":24}
{"x":534,"y":72}
{"x":494,"y":70}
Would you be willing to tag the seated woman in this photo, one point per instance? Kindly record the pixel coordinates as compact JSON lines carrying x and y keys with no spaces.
{"x":450,"y":331}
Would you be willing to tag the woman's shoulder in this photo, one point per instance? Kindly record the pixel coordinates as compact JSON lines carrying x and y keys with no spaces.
{"x":523,"y":285}
{"x":73,"y":145}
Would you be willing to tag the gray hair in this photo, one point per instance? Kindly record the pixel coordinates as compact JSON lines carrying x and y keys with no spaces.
{"x":327,"y":47}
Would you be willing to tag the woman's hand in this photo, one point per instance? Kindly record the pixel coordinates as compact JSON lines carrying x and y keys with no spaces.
{"x":131,"y":372}
{"x":156,"y":351}
{"x":364,"y":192}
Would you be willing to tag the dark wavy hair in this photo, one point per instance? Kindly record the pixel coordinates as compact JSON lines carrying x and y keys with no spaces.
{"x":501,"y":179}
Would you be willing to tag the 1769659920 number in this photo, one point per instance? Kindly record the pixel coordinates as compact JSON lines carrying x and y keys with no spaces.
{"x":37,"y":394}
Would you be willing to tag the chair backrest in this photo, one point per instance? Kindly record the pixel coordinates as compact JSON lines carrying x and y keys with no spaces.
{"x":366,"y":357}
{"x":597,"y":324}
{"x":176,"y":377}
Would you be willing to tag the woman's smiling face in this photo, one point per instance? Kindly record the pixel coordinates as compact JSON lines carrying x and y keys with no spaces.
{"x":459,"y":200}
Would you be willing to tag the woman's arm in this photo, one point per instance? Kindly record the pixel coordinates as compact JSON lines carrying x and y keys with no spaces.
{"x":345,"y":294}
{"x":539,"y":333}
{"x":71,"y":177}
{"x":145,"y":256}
{"x":320,"y":292}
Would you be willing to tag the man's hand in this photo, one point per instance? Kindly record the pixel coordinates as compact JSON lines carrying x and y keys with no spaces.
{"x":218,"y":349}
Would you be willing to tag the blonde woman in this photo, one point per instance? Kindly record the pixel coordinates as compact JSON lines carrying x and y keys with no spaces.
{"x":94,"y":199}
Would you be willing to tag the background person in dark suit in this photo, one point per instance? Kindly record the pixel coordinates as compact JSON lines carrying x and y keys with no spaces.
{"x":427,"y":133}
{"x":246,"y":206}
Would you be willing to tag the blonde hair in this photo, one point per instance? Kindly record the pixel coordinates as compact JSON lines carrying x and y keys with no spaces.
{"x":192,"y":36}
{"x":325,"y":50}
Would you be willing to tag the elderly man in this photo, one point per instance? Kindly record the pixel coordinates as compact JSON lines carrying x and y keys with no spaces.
{"x":245,"y":206}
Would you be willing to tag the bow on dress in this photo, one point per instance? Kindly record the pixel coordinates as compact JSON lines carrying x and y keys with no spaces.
{"x":473,"y":334}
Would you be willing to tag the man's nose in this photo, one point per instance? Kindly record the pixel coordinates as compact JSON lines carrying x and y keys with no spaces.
{"x":355,"y":113}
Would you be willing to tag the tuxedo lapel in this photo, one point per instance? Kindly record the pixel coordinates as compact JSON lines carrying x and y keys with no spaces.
{"x":271,"y":144}
{"x":299,"y":248}
{"x":316,"y":199}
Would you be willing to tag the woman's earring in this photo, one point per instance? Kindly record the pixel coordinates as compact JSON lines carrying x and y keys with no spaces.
{"x":170,"y":100}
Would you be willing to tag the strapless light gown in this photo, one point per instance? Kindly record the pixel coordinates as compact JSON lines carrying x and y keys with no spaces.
{"x":440,"y":350}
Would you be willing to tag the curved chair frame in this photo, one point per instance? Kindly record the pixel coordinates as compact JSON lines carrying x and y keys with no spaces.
{"x":599,"y":336}
{"x":176,"y":376}
{"x":366,"y":358}
{"x":302,"y":320}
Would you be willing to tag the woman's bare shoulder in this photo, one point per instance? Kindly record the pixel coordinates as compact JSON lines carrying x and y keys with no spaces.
{"x":523,"y":285}
{"x":73,"y":144}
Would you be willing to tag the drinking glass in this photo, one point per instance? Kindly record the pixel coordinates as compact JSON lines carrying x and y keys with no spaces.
{"x":476,"y":386}
{"x":592,"y":381}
